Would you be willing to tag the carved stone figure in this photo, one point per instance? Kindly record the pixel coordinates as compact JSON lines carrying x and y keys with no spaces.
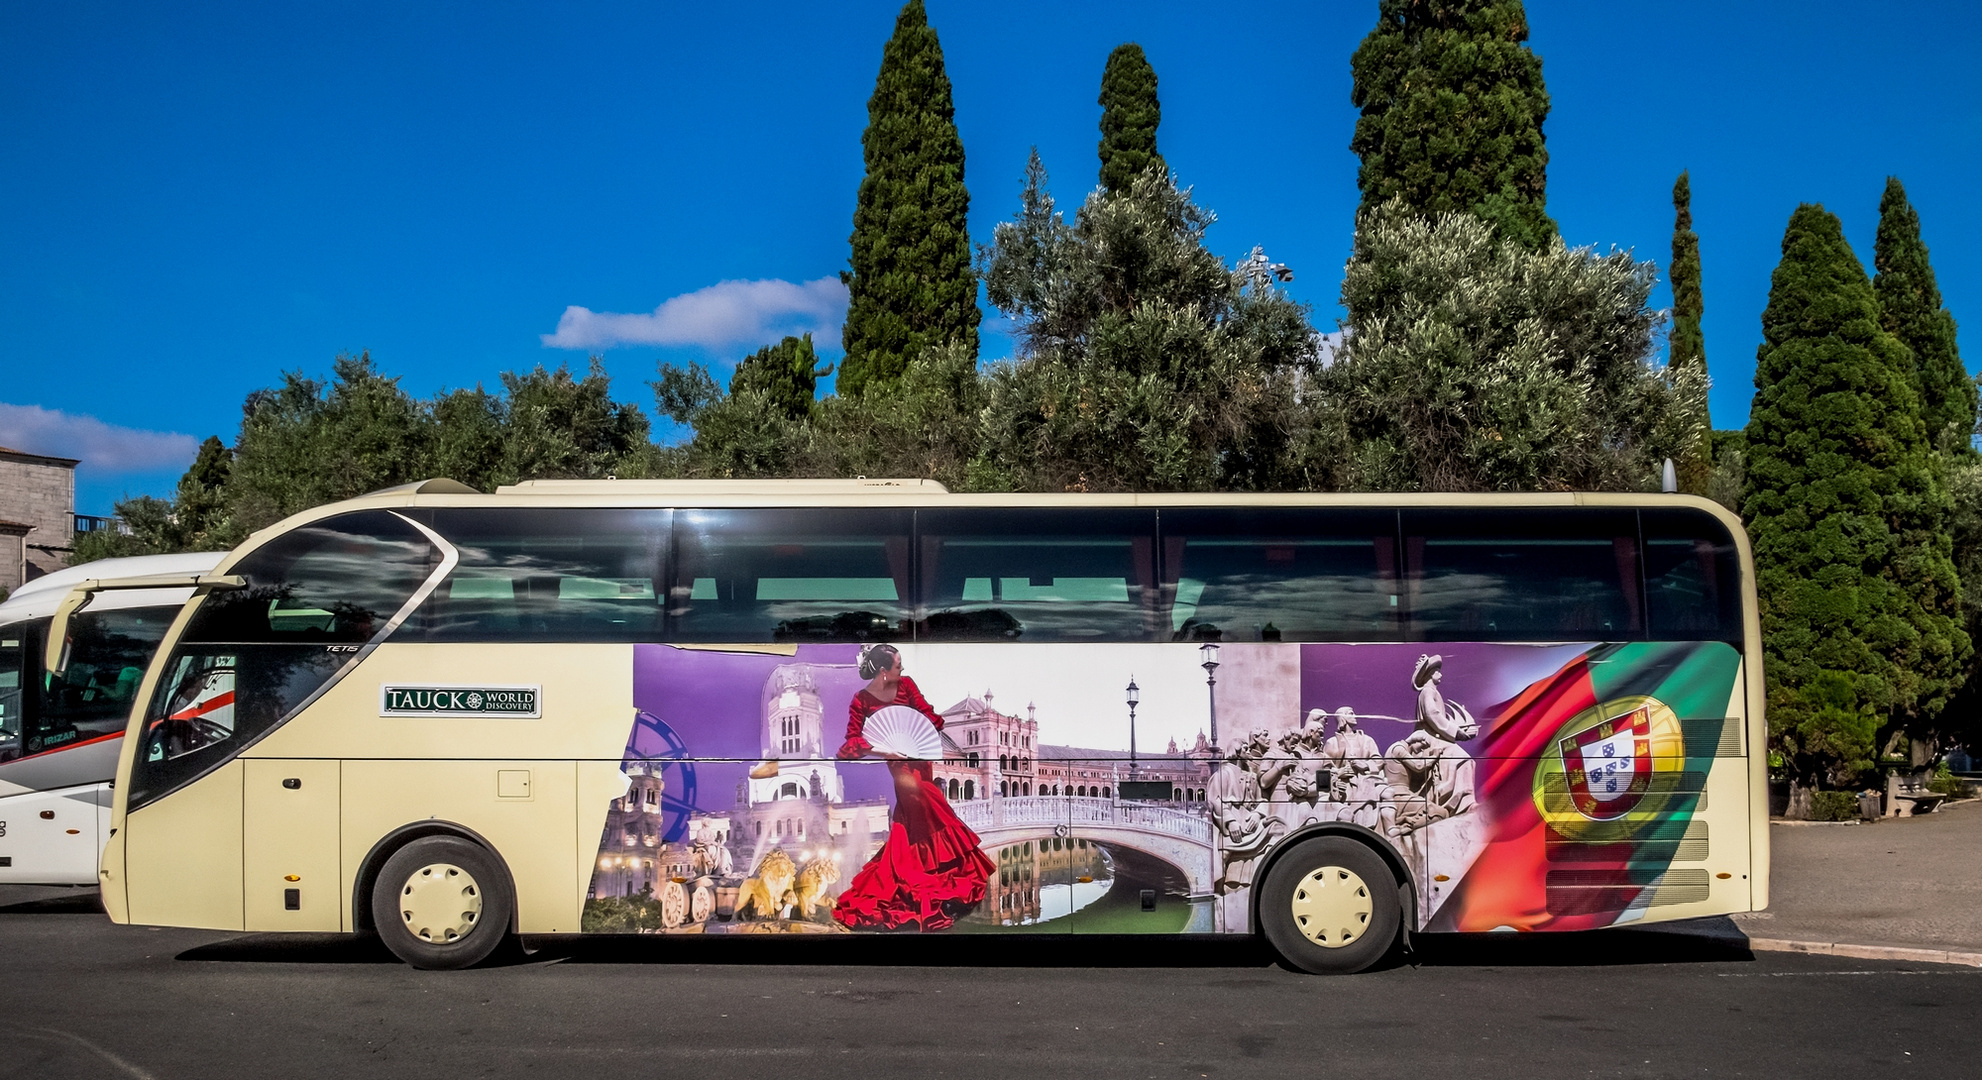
{"x":813,"y":881}
{"x":1237,"y":800}
{"x":1355,"y":768}
{"x":1429,"y":775}
{"x":709,"y":857}
{"x":770,"y":890}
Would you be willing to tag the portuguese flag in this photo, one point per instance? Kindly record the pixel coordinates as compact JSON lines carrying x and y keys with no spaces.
{"x":1571,"y":869}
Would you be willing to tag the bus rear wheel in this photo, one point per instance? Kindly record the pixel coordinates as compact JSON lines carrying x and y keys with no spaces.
{"x":442,"y":903}
{"x":1330,"y":906}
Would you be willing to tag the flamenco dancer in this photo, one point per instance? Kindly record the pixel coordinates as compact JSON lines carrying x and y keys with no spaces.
{"x":930,"y":872}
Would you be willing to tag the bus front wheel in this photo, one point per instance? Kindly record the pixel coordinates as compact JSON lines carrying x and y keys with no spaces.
{"x":1330,"y":906}
{"x":442,"y":902}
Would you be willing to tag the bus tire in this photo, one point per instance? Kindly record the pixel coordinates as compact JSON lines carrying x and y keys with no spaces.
{"x":1330,"y":906}
{"x":442,"y":903}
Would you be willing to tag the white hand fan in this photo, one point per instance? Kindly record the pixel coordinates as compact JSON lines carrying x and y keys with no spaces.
{"x":898,"y":729}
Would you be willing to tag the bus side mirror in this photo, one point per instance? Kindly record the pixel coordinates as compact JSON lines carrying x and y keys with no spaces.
{"x":55,"y":654}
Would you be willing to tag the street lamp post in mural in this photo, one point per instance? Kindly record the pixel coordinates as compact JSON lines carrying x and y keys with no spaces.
{"x":1209,"y":650}
{"x":1135,"y":695}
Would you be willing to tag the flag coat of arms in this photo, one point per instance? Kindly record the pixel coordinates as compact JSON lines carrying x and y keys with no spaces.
{"x":1609,"y":766}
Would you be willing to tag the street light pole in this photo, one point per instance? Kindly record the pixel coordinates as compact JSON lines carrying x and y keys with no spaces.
{"x":1135,"y":695}
{"x":1209,"y":650}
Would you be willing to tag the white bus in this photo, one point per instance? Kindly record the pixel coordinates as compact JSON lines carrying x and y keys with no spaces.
{"x":60,"y":738}
{"x":828,"y":707}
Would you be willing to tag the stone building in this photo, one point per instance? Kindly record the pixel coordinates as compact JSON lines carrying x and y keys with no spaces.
{"x":37,"y":514}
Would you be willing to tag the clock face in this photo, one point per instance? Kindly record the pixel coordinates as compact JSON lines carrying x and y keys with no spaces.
{"x":789,"y":700}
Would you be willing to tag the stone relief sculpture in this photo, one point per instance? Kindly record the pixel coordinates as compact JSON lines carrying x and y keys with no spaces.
{"x":1355,"y":771}
{"x":1236,"y":798}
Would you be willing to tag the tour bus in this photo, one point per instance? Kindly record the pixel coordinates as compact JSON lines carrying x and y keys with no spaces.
{"x":835,"y":706}
{"x":60,"y":737}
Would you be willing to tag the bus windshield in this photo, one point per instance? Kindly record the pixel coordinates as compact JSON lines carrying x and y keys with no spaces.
{"x":89,"y":701}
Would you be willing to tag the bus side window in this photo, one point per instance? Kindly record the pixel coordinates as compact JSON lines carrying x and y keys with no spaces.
{"x":815,"y":574}
{"x":993,"y":574}
{"x":1541,"y":574}
{"x":549,"y":575}
{"x":340,"y":580}
{"x":1281,"y":574}
{"x":1692,"y":577}
{"x":13,"y":655}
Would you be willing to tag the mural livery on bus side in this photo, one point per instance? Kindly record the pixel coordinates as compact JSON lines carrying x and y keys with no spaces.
{"x":1125,"y":788}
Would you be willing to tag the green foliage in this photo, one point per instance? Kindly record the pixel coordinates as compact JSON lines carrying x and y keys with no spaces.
{"x":1945,"y":782}
{"x":621,"y":914}
{"x":1910,"y":302}
{"x":1129,"y":115}
{"x":194,"y":520}
{"x":1452,"y":109}
{"x":1687,"y":346}
{"x":560,"y":427}
{"x":787,"y":373}
{"x":911,"y":285}
{"x":1845,"y":507}
{"x":1833,"y":806}
{"x":1831,"y":736}
{"x":304,"y":443}
{"x":1472,"y":363}
{"x":1144,"y":362}
{"x":1730,"y":468}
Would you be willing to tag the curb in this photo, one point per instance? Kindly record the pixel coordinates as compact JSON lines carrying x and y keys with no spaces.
{"x":1838,"y":948}
{"x":1866,"y":952}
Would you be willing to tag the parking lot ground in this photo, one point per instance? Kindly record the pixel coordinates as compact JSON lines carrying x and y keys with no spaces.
{"x":84,"y":998}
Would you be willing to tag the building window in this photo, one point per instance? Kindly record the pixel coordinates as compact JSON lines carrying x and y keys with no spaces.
{"x":970,"y":786}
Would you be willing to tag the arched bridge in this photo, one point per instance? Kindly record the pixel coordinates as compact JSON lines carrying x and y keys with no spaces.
{"x":1179,"y":837}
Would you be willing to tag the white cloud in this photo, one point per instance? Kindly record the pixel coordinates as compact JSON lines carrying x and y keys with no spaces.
{"x":100,"y":446}
{"x":726,"y":314}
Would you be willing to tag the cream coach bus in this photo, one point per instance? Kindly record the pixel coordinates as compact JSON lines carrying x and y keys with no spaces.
{"x":839,"y":706}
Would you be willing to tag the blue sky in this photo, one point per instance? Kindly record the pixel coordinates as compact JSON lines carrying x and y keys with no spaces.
{"x":193,"y":200}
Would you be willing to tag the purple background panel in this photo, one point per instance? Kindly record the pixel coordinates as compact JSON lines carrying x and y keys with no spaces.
{"x":1376,"y":679}
{"x":715,"y":702}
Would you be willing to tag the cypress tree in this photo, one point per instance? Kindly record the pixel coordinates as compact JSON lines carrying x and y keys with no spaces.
{"x":1844,"y":502}
{"x":1452,"y":109}
{"x":1911,"y":302}
{"x":911,"y":285}
{"x":1688,"y":347}
{"x":787,"y":373}
{"x":1129,"y":115}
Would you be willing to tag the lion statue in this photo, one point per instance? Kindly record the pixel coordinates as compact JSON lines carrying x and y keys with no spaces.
{"x":768,"y":890}
{"x":813,"y":881}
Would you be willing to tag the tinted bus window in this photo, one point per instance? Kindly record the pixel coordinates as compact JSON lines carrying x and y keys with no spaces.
{"x":340,"y":580}
{"x":1522,"y":575}
{"x":93,"y":698}
{"x":549,"y":575}
{"x":1692,"y":577}
{"x":790,"y":575}
{"x":1281,"y":575}
{"x":13,"y":658}
{"x":994,"y":574}
{"x":251,"y":656}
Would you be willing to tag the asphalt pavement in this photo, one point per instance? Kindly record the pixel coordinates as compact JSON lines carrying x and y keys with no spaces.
{"x":82,"y":998}
{"x":1896,"y":883}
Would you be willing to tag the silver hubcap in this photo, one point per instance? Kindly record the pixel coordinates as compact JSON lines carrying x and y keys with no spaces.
{"x":1332,"y":906}
{"x":441,"y":903}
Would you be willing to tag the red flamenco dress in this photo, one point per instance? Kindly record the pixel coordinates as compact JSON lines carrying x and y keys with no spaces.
{"x":930,"y":872}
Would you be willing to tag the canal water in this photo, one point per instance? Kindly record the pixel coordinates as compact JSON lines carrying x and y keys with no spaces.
{"x":1068,"y":885}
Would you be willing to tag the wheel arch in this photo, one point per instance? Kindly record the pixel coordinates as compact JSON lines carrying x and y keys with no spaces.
{"x":375,"y":859}
{"x":1407,"y":888}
